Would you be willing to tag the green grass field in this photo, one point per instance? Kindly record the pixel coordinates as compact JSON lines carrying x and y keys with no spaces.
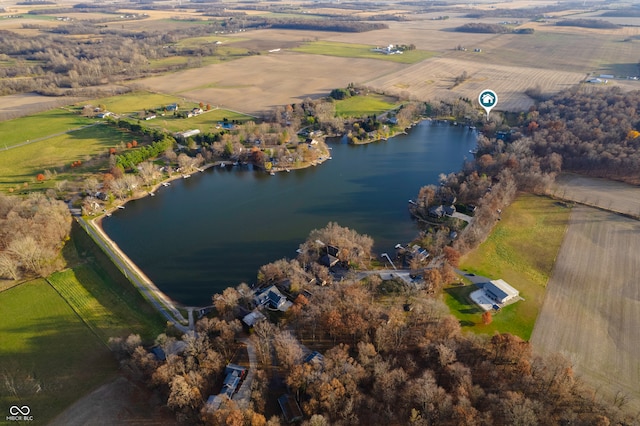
{"x":48,"y":357}
{"x":22,"y":164}
{"x":135,"y":102}
{"x":357,"y":106}
{"x":347,"y":50}
{"x":521,"y":250}
{"x":206,"y":122}
{"x":106,"y":310}
{"x":32,"y":127}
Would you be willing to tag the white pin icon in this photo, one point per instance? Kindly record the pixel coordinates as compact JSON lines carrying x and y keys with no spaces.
{"x":488,"y":99}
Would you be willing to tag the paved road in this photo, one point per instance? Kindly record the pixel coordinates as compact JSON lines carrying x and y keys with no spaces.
{"x":144,"y":285}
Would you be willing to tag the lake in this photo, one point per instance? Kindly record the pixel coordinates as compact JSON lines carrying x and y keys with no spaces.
{"x":214,"y":230}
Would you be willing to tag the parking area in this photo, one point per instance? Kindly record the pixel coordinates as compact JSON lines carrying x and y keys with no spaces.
{"x":482,"y":300}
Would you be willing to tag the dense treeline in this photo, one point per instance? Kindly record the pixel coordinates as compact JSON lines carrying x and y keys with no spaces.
{"x":594,"y":132}
{"x":484,"y":28}
{"x":529,"y":12}
{"x":632,"y":12}
{"x":32,"y":233}
{"x":328,"y":25}
{"x":132,"y":158}
{"x":588,"y":23}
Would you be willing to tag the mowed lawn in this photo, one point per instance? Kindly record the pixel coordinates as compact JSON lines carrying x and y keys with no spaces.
{"x":205,"y":122}
{"x":22,"y":164}
{"x":48,"y":356}
{"x":521,"y":250}
{"x":349,"y":50}
{"x":358,"y":106}
{"x":135,"y":102}
{"x":104,"y":307}
{"x":45,"y":124}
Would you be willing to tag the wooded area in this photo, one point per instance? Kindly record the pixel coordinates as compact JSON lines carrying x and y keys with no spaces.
{"x":32,"y":233}
{"x":389,"y":356}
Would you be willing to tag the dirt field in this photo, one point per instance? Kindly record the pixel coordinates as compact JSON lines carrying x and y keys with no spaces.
{"x":609,"y":195}
{"x":14,"y":106}
{"x":258,"y":83}
{"x":591,"y":311}
{"x":433,"y":79}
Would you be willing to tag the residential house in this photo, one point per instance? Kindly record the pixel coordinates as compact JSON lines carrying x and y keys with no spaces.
{"x":273,"y":299}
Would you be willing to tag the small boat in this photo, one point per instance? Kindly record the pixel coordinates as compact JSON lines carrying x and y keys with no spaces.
{"x":221,"y":164}
{"x":236,"y":164}
{"x":199,"y":169}
{"x":330,"y":158}
{"x":107,"y":214}
{"x":272,"y":173}
{"x":288,"y":170}
{"x":121,"y":207}
{"x":186,"y":176}
{"x":165,"y":184}
{"x":153,"y":194}
{"x":412,"y":202}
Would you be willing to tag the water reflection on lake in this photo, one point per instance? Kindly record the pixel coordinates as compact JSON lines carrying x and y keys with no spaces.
{"x":214,"y":230}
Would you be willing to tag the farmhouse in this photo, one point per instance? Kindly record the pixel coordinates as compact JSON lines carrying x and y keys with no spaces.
{"x":500,"y":291}
{"x":389,"y":50}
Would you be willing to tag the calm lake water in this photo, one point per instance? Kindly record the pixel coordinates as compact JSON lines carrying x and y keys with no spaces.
{"x":214,"y":230}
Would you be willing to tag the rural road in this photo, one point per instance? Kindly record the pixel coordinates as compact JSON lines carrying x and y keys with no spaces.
{"x":144,"y":285}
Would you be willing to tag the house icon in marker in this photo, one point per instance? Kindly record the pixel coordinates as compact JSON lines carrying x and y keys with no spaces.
{"x":487,"y":100}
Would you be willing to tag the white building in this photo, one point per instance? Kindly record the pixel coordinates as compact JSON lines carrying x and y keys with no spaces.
{"x":500,"y":291}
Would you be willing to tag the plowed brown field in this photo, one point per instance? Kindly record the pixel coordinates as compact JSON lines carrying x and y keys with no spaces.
{"x":591,"y":311}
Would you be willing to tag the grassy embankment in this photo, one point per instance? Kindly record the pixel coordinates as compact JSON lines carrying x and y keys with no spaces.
{"x":521,"y":250}
{"x":349,"y":50}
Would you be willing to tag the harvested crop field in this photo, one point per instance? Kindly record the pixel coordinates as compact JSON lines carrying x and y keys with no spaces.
{"x":14,"y":106}
{"x":434,"y":79}
{"x":591,"y":311}
{"x":606,"y":194}
{"x":258,"y":83}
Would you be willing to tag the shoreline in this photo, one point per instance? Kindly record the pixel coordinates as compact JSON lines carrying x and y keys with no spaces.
{"x":144,"y":284}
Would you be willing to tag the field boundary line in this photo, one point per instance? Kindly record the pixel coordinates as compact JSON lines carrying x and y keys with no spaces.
{"x":85,"y":322}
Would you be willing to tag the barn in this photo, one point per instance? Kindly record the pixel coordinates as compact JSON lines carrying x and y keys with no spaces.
{"x":500,"y":291}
